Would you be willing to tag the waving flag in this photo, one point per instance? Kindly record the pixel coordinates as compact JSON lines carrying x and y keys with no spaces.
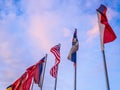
{"x":106,"y":33}
{"x":36,"y":71}
{"x":75,"y":46}
{"x":33,"y":72}
{"x":56,"y":51}
{"x":18,"y":84}
{"x":9,"y":87}
{"x":38,"y":75}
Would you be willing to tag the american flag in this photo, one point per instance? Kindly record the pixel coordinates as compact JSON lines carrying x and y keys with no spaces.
{"x":56,"y":51}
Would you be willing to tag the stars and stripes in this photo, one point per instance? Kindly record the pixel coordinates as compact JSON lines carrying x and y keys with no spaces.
{"x":56,"y":51}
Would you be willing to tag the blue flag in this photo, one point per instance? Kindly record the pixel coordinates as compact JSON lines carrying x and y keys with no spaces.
{"x":75,"y":46}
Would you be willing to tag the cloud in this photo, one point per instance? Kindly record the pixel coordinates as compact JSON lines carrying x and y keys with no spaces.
{"x":43,"y":24}
{"x":94,"y":31}
{"x":37,"y":6}
{"x":5,"y":46}
{"x":111,"y":14}
{"x":67,"y":32}
{"x":41,"y":29}
{"x":8,"y":74}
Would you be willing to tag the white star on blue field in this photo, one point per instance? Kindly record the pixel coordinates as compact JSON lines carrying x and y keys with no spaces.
{"x":29,"y":28}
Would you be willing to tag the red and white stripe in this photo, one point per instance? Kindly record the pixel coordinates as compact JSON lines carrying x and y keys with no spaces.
{"x":54,"y":71}
{"x":56,"y":51}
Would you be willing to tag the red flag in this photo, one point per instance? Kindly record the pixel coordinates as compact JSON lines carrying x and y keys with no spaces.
{"x":35,"y":71}
{"x":25,"y":81}
{"x":106,"y":32}
{"x":38,"y":73}
{"x":56,"y":51}
{"x":28,"y":82}
{"x":18,"y":84}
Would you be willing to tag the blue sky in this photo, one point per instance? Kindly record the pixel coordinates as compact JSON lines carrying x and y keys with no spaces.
{"x":29,"y":28}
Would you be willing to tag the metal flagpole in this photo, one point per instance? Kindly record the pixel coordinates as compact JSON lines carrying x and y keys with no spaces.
{"x":105,"y":68}
{"x":44,"y":71}
{"x":32,"y":84}
{"x":75,"y":77}
{"x":57,"y":74}
{"x":56,"y":80}
{"x":104,"y":59}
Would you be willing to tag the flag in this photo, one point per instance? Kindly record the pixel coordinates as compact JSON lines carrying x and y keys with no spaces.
{"x":18,"y":84}
{"x":74,"y":49}
{"x":38,"y":74}
{"x":9,"y":87}
{"x":22,"y":84}
{"x":106,"y":32}
{"x":34,"y":72}
{"x":28,"y":83}
{"x":56,"y":51}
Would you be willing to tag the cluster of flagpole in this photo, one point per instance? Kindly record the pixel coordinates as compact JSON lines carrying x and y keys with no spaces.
{"x":35,"y":73}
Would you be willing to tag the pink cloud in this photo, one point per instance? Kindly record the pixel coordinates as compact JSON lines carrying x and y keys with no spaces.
{"x":94,"y":31}
{"x":40,"y":29}
{"x":111,"y":14}
{"x":67,"y":32}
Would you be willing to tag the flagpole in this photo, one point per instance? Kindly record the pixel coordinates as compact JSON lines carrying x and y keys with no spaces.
{"x":106,"y":72}
{"x":104,"y":59}
{"x":75,"y":80}
{"x":57,"y":75}
{"x":56,"y":79}
{"x":32,"y":84}
{"x":75,"y":76}
{"x":44,"y":72}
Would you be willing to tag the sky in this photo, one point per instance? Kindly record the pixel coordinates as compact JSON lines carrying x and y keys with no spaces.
{"x":29,"y":28}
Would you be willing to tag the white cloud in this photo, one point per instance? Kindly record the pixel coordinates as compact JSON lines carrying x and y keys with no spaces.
{"x":40,"y":29}
{"x":111,"y":14}
{"x":5,"y":47}
{"x":37,"y":6}
{"x":93,"y":32}
{"x":42,"y":23}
